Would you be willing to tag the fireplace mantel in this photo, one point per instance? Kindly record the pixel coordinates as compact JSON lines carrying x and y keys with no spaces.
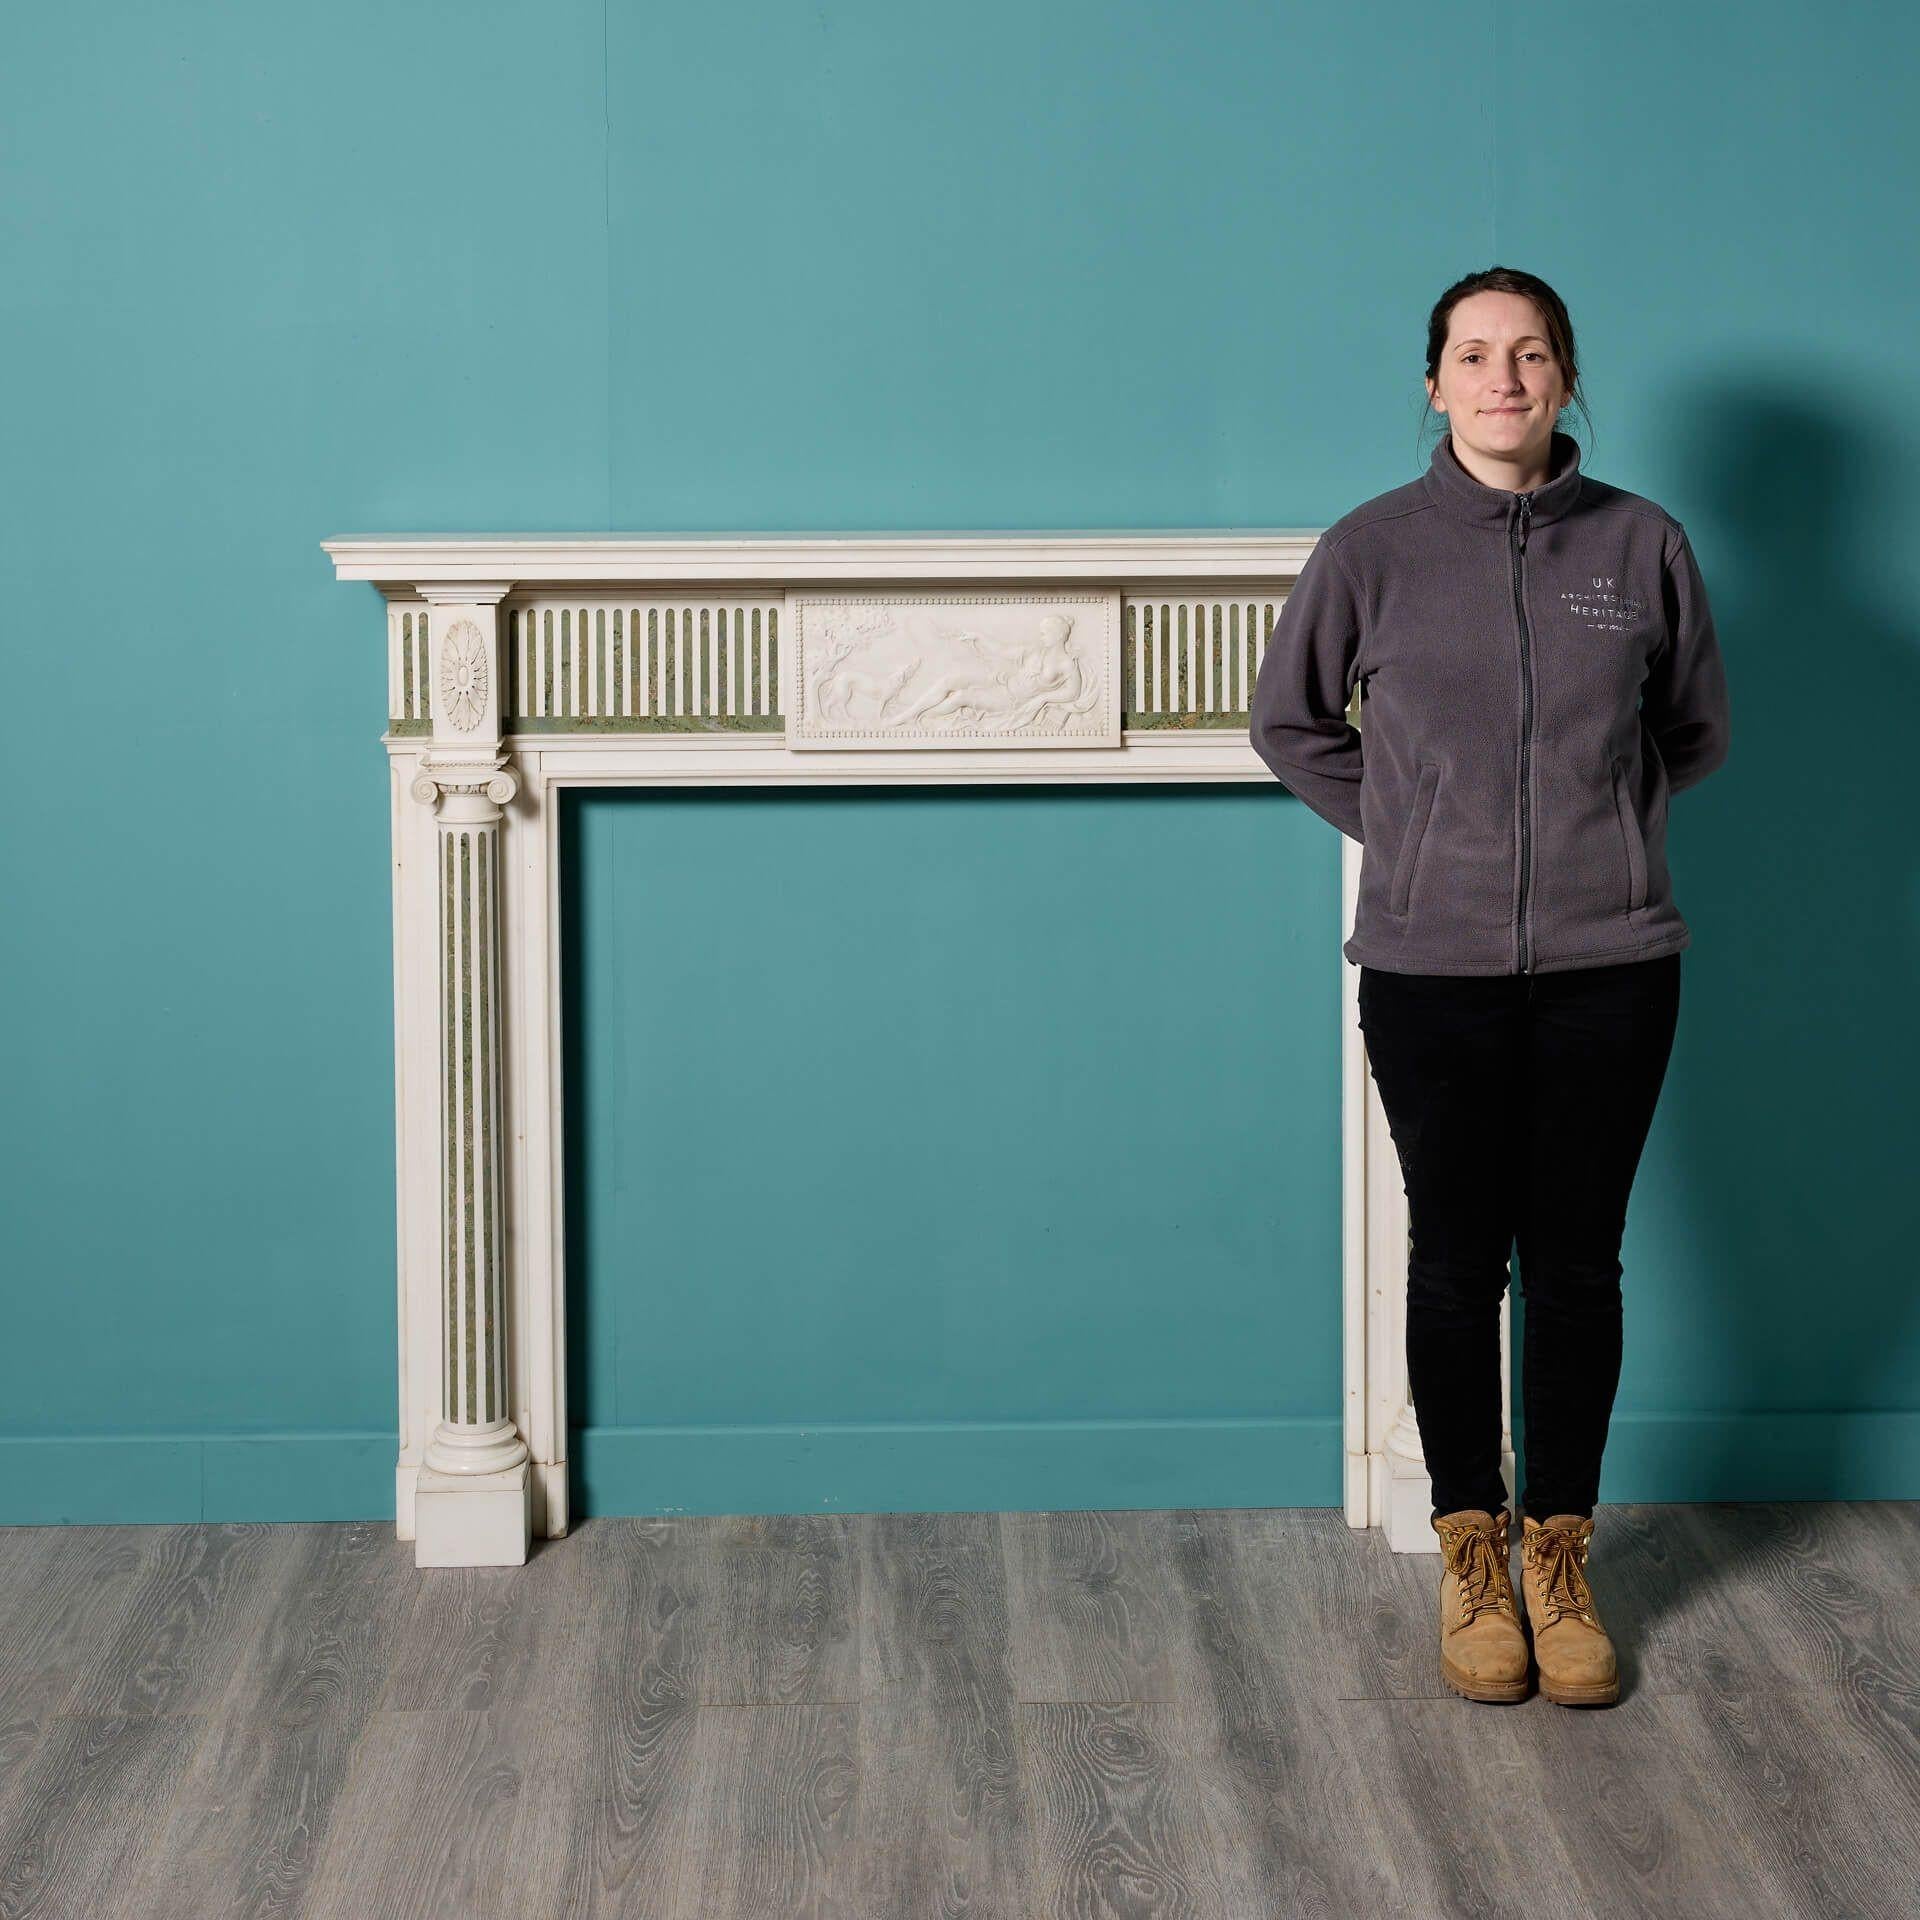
{"x":518,"y":665}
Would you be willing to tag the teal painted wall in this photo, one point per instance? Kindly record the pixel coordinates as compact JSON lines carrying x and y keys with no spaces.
{"x":271,"y":277}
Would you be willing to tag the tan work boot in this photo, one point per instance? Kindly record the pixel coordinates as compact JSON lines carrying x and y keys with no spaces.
{"x":1577,"y":1665}
{"x":1483,"y":1652}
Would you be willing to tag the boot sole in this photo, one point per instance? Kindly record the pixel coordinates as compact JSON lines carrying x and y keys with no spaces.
{"x":1602,"y":1693}
{"x":1498,"y":1690}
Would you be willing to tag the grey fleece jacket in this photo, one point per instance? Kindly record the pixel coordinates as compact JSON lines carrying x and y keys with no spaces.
{"x":1538,"y":673}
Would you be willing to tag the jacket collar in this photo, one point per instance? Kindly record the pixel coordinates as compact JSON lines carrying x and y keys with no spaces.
{"x":1451,"y":486}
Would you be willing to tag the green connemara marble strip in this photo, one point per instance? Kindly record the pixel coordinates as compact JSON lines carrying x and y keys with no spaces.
{"x":489,"y":1138}
{"x":406,"y":663}
{"x":660,"y":723}
{"x":1189,"y":722}
{"x":449,"y":1150}
{"x":466,"y":1102}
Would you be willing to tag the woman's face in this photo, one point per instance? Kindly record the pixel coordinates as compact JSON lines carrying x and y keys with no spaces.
{"x":1500,"y":385}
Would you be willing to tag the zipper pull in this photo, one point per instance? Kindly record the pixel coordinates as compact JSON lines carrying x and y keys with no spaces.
{"x":1526,"y":518}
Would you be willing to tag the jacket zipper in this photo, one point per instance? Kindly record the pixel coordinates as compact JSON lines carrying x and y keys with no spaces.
{"x":1522,"y":521}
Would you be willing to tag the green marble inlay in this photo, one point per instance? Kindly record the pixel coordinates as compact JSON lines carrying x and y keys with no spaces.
{"x":466,"y":1091}
{"x":659,"y":723}
{"x":449,"y":1256}
{"x":401,"y":728}
{"x":1194,"y":722}
{"x":489,"y":1146}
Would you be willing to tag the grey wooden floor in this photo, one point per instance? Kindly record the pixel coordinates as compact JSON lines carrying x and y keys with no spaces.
{"x":1219,"y":1713}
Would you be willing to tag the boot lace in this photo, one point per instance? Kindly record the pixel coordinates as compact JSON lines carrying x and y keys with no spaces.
{"x":1477,"y":1557}
{"x":1558,"y":1558}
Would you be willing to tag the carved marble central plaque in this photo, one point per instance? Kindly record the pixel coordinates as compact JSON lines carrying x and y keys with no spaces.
{"x":953,"y":669}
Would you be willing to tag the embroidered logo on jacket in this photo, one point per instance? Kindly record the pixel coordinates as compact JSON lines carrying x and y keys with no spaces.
{"x":1603,"y":606}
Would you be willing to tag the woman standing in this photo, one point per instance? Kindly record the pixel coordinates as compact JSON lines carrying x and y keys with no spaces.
{"x":1539,"y":674}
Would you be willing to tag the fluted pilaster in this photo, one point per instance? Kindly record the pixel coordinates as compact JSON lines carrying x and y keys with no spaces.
{"x":477,"y":1433}
{"x":472,"y":1503}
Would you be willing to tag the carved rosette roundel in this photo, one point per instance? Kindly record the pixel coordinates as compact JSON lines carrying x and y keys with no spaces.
{"x":463,"y":675}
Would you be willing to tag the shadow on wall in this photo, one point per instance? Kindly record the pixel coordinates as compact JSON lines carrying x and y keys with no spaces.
{"x":1788,"y":1113}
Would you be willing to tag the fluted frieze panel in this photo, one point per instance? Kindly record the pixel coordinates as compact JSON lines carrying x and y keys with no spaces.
{"x":711,"y":664}
{"x":409,"y":694}
{"x":693,"y":664}
{"x":1191,"y":660}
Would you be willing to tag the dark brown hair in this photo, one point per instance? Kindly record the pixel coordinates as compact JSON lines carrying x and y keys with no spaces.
{"x":1553,"y":316}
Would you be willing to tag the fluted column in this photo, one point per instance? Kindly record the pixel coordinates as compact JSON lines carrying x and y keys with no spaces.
{"x":472,"y":1506}
{"x":476,"y":1433}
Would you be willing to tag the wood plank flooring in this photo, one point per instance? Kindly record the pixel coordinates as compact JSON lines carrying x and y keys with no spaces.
{"x":1223,"y":1714}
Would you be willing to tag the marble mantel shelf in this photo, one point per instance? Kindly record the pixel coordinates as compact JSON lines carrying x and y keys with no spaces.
{"x":1171,"y":554}
{"x":519,"y":665}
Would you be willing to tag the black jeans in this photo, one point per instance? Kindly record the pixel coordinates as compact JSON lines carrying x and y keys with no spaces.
{"x":1518,"y":1104}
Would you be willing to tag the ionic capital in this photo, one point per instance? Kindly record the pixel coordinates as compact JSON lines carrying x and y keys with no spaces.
{"x":491,"y":779}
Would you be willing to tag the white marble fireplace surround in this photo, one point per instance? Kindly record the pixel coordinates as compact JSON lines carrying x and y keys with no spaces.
{"x":519,"y":665}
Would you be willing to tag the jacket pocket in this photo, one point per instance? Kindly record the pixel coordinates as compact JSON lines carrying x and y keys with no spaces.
{"x":1401,"y":891}
{"x":1630,"y":833}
